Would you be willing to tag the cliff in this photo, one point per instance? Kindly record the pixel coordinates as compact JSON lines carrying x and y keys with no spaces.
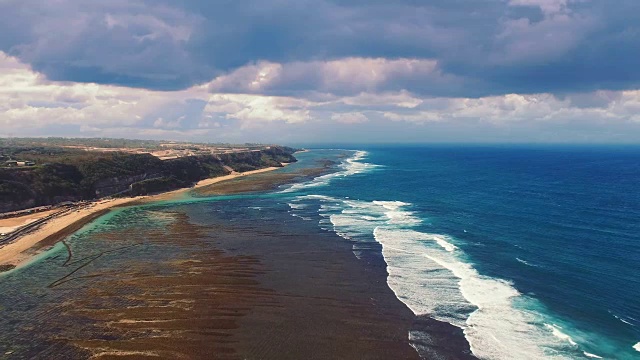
{"x":120,"y":174}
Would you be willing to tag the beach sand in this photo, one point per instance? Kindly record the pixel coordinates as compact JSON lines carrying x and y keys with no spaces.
{"x":10,"y":224}
{"x":261,"y":182}
{"x":269,"y":287}
{"x":20,"y":251}
{"x":205,"y":183}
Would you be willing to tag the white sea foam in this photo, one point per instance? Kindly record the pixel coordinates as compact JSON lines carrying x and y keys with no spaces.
{"x":302,"y":217}
{"x":350,"y":166}
{"x":590,"y":355}
{"x":391,"y":205}
{"x":498,"y":329}
{"x":557,"y":332}
{"x":297,"y":206}
{"x":419,"y":282}
{"x":429,"y":274}
{"x":622,"y":319}
{"x":444,"y":243}
{"x":526,"y":262}
{"x":432,"y":276}
{"x":319,"y":197}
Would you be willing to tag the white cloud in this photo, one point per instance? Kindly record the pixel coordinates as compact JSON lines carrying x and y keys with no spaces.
{"x":419,"y":117}
{"x":168,"y":124}
{"x":350,"y":118}
{"x":514,"y":108}
{"x":253,"y":110}
{"x":547,"y":6}
{"x":399,"y":99}
{"x":36,"y":102}
{"x":342,"y":76}
{"x":251,"y":78}
{"x":32,"y":102}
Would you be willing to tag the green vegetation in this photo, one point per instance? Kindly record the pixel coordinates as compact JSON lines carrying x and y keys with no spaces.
{"x":70,"y":175}
{"x":59,"y":142}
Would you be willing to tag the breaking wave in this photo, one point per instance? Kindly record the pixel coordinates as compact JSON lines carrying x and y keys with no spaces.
{"x":434,"y":277}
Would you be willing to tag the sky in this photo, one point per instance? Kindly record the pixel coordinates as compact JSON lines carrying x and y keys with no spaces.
{"x":339,"y":71}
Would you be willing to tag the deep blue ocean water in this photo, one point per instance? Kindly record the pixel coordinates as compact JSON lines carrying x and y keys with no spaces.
{"x":533,"y":251}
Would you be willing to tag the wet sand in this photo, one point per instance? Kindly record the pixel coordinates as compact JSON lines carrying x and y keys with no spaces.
{"x":262,"y":182}
{"x":207,"y":183}
{"x":328,"y":305}
{"x":185,"y":308}
{"x":10,"y":224}
{"x":331,"y":305}
{"x":248,"y":291}
{"x":23,"y":249}
{"x":253,"y":287}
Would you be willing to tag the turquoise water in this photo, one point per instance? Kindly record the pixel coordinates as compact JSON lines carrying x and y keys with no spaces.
{"x":534,"y":252}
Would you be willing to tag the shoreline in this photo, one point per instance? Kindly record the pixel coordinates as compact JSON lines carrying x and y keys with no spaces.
{"x":256,"y":269}
{"x":170,"y":195}
{"x":23,"y":249}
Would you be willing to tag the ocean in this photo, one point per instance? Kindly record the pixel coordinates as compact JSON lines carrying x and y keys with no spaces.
{"x":533,"y":252}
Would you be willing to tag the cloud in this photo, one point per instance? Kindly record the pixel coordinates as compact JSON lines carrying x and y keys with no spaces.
{"x":350,"y":118}
{"x":401,"y":99}
{"x":117,"y":42}
{"x":547,"y":6}
{"x":254,"y":110}
{"x":606,"y":109}
{"x":36,"y":106}
{"x":341,"y":77}
{"x":522,"y":42}
{"x":435,"y":48}
{"x":34,"y":101}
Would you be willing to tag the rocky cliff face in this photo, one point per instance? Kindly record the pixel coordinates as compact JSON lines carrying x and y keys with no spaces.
{"x":123,"y":174}
{"x":13,"y":205}
{"x":120,"y":184}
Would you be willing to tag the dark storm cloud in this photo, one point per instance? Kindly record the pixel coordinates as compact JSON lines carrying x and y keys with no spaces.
{"x":484,"y":47}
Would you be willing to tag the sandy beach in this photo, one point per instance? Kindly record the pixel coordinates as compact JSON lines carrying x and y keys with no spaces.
{"x":238,"y":278}
{"x":11,"y":224}
{"x":205,"y":183}
{"x":20,"y":251}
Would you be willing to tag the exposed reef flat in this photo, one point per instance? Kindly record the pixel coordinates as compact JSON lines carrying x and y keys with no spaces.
{"x":25,"y":247}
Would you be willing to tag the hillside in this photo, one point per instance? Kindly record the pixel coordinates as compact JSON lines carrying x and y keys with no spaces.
{"x":63,"y":175}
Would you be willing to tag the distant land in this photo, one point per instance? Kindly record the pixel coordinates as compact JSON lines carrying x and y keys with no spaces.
{"x":41,"y":172}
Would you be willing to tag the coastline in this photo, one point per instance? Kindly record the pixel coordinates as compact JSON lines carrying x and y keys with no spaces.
{"x":237,"y":282}
{"x":20,"y":251}
{"x":215,"y":279}
{"x":173,"y":194}
{"x":327,"y":303}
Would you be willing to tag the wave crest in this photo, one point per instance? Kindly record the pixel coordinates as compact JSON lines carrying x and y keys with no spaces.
{"x":350,"y":166}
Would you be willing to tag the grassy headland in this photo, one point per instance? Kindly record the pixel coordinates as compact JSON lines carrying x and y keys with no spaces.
{"x":68,"y":173}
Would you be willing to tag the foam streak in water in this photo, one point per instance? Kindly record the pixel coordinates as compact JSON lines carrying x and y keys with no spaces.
{"x":434,"y":277}
{"x":350,"y":166}
{"x":590,"y":355}
{"x":556,"y":331}
{"x":431,"y":275}
{"x":526,"y":262}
